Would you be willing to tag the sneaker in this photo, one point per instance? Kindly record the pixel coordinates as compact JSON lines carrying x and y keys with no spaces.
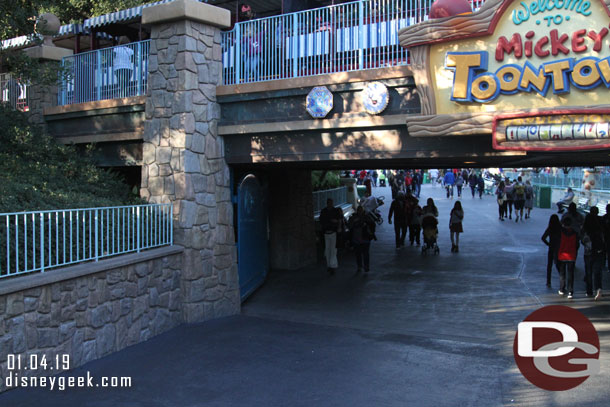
{"x":560,"y":292}
{"x":598,"y":295}
{"x":570,"y":296}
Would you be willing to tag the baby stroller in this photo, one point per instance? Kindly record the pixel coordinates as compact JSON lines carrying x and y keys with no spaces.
{"x":430,"y":228}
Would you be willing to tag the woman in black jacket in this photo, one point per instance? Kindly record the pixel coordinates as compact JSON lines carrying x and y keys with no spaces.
{"x":552,"y":238}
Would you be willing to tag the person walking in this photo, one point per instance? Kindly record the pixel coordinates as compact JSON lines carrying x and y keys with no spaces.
{"x":398,"y":210}
{"x":455,"y":225}
{"x":375,"y":176}
{"x":415,"y":225}
{"x":594,"y":253}
{"x":430,"y":208}
{"x":566,"y":256}
{"x":418,"y":179}
{"x":459,"y":183}
{"x":529,"y":199}
{"x":363,"y":231}
{"x":606,"y":227}
{"x":472,"y":182}
{"x":552,"y":238}
{"x":408,"y":182}
{"x":576,"y":218}
{"x":519,"y":197}
{"x":510,"y":198}
{"x":501,"y":198}
{"x":449,"y":181}
{"x":480,"y":185}
{"x":331,"y":220}
{"x":368,"y":182}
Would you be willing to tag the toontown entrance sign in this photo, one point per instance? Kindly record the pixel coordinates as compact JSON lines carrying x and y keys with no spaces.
{"x":535,"y":74}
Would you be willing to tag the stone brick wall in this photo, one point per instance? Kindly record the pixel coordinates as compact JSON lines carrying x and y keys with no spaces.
{"x":40,"y":97}
{"x":183,"y":162}
{"x":91,"y":316}
{"x":292,"y":240}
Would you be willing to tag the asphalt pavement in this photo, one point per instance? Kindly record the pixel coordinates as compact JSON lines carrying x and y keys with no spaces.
{"x":434,"y":330}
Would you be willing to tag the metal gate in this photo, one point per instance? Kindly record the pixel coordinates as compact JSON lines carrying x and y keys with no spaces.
{"x":252,"y":239}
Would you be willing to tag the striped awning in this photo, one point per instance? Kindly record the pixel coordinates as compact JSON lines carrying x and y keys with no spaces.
{"x":121,"y":16}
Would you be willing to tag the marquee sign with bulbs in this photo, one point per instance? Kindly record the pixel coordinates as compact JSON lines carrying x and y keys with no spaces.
{"x":535,"y":74}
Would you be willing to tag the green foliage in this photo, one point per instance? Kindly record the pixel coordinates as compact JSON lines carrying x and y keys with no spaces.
{"x":321,"y":180}
{"x":36,"y":173}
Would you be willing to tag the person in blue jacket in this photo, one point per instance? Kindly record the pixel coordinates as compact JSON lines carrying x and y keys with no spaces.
{"x":449,"y":181}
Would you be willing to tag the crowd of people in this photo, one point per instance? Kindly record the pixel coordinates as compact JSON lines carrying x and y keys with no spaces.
{"x":406,"y":214}
{"x":515,"y":194}
{"x":564,"y":238}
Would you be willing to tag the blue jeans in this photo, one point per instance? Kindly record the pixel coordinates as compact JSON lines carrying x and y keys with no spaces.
{"x":593,"y":272}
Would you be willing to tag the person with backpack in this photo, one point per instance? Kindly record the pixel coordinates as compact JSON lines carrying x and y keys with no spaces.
{"x":519,"y":198}
{"x":398,"y":210}
{"x":455,"y":226}
{"x":529,"y":199}
{"x":510,"y":198}
{"x":501,"y":198}
{"x":363,"y":231}
{"x":566,"y":257}
{"x":594,"y":245}
{"x":459,"y":183}
{"x":552,"y":238}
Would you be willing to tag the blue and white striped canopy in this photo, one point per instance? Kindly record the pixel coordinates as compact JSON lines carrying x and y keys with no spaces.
{"x":130,"y":14}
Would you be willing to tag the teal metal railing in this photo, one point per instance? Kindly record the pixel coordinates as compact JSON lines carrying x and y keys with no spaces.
{"x":37,"y":241}
{"x":338,"y":195}
{"x":108,"y":73}
{"x":346,"y":37}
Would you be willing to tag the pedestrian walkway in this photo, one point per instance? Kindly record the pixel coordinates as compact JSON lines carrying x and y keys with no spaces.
{"x":415,"y":331}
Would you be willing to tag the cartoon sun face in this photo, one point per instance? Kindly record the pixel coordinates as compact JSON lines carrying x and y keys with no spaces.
{"x":375,"y":97}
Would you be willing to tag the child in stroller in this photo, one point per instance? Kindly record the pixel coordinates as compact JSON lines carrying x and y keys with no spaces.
{"x":429,"y":225}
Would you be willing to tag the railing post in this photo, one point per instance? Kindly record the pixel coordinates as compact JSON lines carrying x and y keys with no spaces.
{"x":237,"y":58}
{"x":139,"y":227}
{"x":98,"y":74}
{"x":140,"y":62}
{"x":41,"y":244}
{"x":360,"y":35}
{"x":96,"y":235}
{"x":295,"y":39}
{"x":171,"y":224}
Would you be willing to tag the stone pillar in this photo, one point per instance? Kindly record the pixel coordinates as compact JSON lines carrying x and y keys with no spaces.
{"x":41,"y":96}
{"x":183,"y":155}
{"x":293,"y":238}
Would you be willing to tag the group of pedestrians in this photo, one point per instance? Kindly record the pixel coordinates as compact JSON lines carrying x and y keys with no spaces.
{"x":564,"y":239}
{"x":406,"y":182}
{"x":517,"y":195}
{"x":460,"y":179}
{"x":409,"y":215}
{"x":361,"y":232}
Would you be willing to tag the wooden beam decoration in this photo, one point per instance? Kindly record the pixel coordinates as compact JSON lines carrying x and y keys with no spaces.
{"x":509,"y":64}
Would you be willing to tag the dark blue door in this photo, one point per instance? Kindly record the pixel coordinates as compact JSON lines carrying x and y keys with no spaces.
{"x":252,"y":245}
